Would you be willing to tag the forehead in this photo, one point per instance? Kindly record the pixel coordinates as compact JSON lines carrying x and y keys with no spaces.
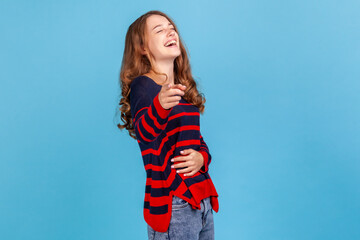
{"x":155,"y":20}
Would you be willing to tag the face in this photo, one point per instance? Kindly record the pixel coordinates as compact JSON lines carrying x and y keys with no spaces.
{"x":163,"y":40}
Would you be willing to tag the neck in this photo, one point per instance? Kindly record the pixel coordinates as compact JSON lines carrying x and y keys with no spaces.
{"x":167,"y":68}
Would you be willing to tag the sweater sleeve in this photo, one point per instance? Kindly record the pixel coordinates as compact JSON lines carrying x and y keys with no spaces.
{"x":149,"y":117}
{"x":204,"y":150}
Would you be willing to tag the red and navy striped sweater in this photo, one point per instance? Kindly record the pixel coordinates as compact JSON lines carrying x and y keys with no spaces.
{"x":161,"y":135}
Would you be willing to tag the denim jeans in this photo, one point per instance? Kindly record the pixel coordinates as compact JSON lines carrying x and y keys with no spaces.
{"x":187,"y":223}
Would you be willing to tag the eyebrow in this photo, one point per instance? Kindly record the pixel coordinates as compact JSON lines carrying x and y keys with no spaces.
{"x":160,"y":25}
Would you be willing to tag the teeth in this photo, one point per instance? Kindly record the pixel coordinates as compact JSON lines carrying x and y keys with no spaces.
{"x":173,"y":41}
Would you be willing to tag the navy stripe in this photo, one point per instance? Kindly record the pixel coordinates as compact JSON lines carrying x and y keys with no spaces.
{"x":175,"y":184}
{"x":187,"y":194}
{"x":160,"y":192}
{"x":147,"y":189}
{"x":193,"y":180}
{"x":158,"y":210}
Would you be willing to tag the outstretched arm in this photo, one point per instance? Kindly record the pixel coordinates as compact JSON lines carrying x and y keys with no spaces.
{"x":150,"y":116}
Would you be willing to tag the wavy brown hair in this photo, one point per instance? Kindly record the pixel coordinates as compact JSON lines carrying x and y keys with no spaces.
{"x":135,"y":64}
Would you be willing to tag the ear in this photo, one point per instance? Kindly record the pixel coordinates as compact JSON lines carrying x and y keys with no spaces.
{"x":143,"y":50}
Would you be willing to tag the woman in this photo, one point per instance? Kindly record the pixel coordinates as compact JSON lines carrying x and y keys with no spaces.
{"x":160,"y":107}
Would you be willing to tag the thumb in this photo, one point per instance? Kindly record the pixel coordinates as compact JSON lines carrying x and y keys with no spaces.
{"x":167,"y":86}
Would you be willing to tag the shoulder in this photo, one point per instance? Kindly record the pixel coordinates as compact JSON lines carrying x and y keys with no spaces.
{"x":142,"y":82}
{"x":143,"y":87}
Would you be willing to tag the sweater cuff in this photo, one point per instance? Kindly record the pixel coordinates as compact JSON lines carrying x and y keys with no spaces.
{"x":163,"y":113}
{"x":204,"y":168}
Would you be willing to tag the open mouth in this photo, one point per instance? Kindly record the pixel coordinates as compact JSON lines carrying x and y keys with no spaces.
{"x":171,"y":44}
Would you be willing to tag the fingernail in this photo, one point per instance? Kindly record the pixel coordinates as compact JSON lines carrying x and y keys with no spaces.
{"x":172,"y":160}
{"x":177,"y":171}
{"x":181,"y":151}
{"x":172,"y":166}
{"x":184,"y":174}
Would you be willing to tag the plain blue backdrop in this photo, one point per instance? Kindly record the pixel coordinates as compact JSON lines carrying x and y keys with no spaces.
{"x":282,"y":118}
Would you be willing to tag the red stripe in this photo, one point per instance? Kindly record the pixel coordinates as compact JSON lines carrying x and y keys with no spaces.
{"x":158,"y":125}
{"x":187,"y":142}
{"x":148,"y":128}
{"x":184,"y":104}
{"x":184,"y":114}
{"x":159,"y":222}
{"x":156,"y":201}
{"x":183,"y":128}
{"x":139,"y":111}
{"x":141,"y":135}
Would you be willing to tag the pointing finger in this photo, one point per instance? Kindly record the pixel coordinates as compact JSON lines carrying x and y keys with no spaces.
{"x":180,"y":86}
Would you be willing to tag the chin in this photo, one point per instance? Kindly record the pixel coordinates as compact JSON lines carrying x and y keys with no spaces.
{"x":178,"y":54}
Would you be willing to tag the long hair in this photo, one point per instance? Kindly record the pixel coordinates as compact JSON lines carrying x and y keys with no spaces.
{"x":135,"y":64}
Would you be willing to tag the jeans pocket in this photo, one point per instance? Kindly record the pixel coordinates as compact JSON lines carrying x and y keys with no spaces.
{"x":179,"y":203}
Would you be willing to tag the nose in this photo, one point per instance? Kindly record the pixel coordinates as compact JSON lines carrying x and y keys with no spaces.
{"x":171,"y":32}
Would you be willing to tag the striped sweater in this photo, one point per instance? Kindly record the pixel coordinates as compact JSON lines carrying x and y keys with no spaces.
{"x":161,"y":135}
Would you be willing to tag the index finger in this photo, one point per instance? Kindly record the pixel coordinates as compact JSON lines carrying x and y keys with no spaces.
{"x":180,"y":86}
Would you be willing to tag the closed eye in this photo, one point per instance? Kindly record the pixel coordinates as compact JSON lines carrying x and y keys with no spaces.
{"x":161,"y":30}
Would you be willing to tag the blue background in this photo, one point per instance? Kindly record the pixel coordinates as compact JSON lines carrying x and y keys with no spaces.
{"x":282,"y":118}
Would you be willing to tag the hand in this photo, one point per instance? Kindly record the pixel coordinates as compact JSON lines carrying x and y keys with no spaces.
{"x":170,"y":95}
{"x":193,"y":162}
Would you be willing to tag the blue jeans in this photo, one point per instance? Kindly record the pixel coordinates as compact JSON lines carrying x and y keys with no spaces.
{"x":187,"y":223}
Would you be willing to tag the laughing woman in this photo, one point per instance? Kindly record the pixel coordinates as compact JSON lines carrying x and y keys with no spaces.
{"x":160,"y":107}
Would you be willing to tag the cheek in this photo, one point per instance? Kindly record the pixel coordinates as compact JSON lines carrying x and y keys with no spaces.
{"x":154,"y":45}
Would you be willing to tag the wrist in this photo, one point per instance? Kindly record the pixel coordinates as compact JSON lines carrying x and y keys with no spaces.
{"x":160,"y":109}
{"x":204,"y":167}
